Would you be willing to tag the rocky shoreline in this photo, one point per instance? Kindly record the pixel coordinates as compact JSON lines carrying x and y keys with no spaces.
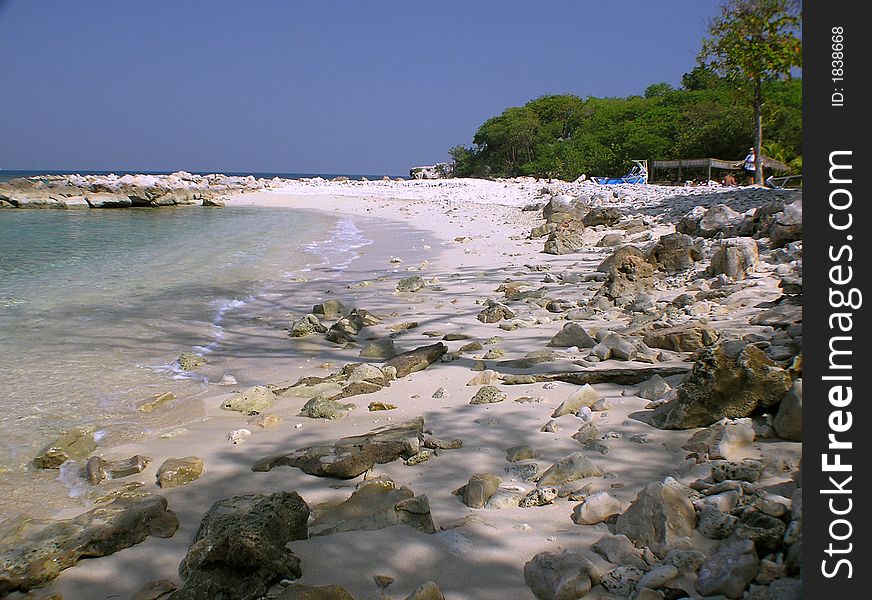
{"x":588,"y":391}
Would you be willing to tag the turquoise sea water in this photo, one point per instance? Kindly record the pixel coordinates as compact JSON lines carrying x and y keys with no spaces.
{"x":95,"y":305}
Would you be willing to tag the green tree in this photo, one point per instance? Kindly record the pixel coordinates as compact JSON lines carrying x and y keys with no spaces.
{"x":752,"y":42}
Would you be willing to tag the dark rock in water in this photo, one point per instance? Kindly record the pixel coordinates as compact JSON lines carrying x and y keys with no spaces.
{"x":97,"y":469}
{"x":417,"y":359}
{"x":351,"y":456}
{"x":375,"y":505}
{"x":730,"y":380}
{"x":75,"y":444}
{"x":675,"y":252}
{"x":601,"y":216}
{"x":682,"y":338}
{"x":239,"y":549}
{"x":33,"y":551}
{"x":179,"y":471}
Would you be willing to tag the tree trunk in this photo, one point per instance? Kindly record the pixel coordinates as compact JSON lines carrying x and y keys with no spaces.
{"x":758,"y":131}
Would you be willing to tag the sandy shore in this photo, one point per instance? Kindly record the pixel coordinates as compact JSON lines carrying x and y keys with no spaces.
{"x":465,"y":242}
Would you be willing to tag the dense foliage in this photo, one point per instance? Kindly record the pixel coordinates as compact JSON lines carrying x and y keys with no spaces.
{"x":565,"y":136}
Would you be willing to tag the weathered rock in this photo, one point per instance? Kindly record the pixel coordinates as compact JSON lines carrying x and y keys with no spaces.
{"x":479,"y":489}
{"x":788,"y":420}
{"x":346,"y":328}
{"x":97,"y":469}
{"x":377,"y":406}
{"x":586,"y":434}
{"x":746,"y":470}
{"x":596,"y":508}
{"x":239,"y":549}
{"x":565,"y":240}
{"x":729,"y":570}
{"x":725,"y":440}
{"x":516,"y":453}
{"x":75,"y":444}
{"x":428,"y":590}
{"x":716,"y":524}
{"x":682,"y":338}
{"x":653,"y":389}
{"x":619,"y":550}
{"x":610,"y":240}
{"x":351,"y":380}
{"x":307,"y":325}
{"x":622,"y":580}
{"x":486,"y":377}
{"x":572,"y":334}
{"x":607,"y":215}
{"x":351,"y":456}
{"x":787,"y":226}
{"x":619,"y":347}
{"x":417,"y":359}
{"x":730,"y":380}
{"x":179,"y":471}
{"x":188,"y":361}
{"x":107,"y":200}
{"x":539,"y":497}
{"x":153,"y":590}
{"x":569,"y":468}
{"x":324,"y":408}
{"x":298,"y":591}
{"x":560,"y":575}
{"x":411,"y":284}
{"x":33,"y":551}
{"x":659,"y":517}
{"x":382,"y":349}
{"x":585,"y":397}
{"x":488,"y":395}
{"x":264,"y":421}
{"x":720,"y":219}
{"x":561,"y":208}
{"x":619,"y":256}
{"x":373,"y":506}
{"x":629,"y":274}
{"x":252,"y":400}
{"x":675,"y":252}
{"x":735,"y":257}
{"x":330,"y":309}
{"x":494,"y":312}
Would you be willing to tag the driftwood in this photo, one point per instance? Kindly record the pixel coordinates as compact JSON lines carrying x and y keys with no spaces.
{"x":620,"y":376}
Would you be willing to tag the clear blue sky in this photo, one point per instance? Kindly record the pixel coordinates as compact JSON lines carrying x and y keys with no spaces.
{"x":365,"y":87}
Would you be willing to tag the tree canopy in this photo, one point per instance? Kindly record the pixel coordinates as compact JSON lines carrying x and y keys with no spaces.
{"x":564,"y":135}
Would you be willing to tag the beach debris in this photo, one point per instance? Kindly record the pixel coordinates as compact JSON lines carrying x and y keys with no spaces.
{"x":251,"y":401}
{"x":239,"y":550}
{"x":98,"y":469}
{"x":351,"y":456}
{"x":237,"y":436}
{"x":156,"y":402}
{"x":179,"y":471}
{"x":375,"y":505}
{"x":74,"y":444}
{"x":34,"y":551}
{"x":440,"y":392}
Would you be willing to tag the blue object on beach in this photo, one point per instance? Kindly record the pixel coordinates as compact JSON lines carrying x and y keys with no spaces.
{"x":638,"y":175}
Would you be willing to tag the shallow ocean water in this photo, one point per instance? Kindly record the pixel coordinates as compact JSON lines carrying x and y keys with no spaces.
{"x":95,"y":307}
